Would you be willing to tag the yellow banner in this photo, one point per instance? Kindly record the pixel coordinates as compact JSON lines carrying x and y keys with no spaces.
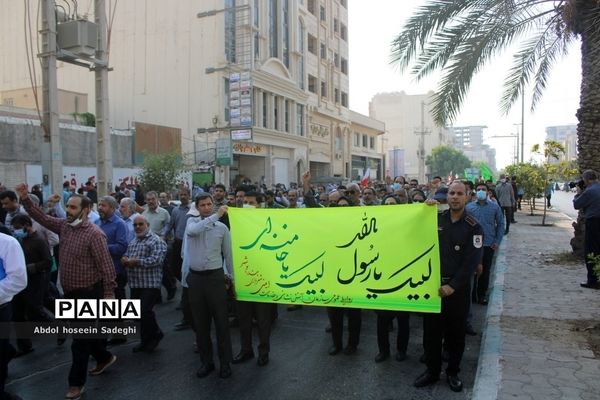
{"x":377,"y":257}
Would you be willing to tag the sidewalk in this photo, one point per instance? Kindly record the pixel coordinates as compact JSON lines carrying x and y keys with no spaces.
{"x":538,"y":341}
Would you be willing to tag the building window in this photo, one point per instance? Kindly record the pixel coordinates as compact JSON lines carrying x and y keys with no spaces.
{"x":344,"y":66}
{"x":345,"y":99}
{"x":312,"y":44}
{"x":344,"y":3}
{"x":323,"y":89}
{"x":371,"y":143}
{"x":273,"y":39}
{"x":336,"y":60}
{"x":276,"y":112}
{"x":287,"y":117}
{"x":364,"y":140}
{"x":9,"y":101}
{"x":226,"y":89}
{"x":336,"y":96}
{"x":256,"y":35}
{"x":344,"y":32}
{"x":356,"y":139}
{"x":265,"y":109}
{"x":322,"y":14}
{"x":312,"y":84}
{"x":323,"y":51}
{"x":300,"y":119}
{"x":310,"y":5}
{"x":230,"y":32}
{"x":301,"y":57}
{"x":285,"y":32}
{"x":336,"y":25}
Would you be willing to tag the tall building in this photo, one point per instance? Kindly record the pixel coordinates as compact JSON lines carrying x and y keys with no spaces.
{"x":469,"y":140}
{"x":567,"y":136}
{"x":256,"y":89}
{"x":411,"y":133}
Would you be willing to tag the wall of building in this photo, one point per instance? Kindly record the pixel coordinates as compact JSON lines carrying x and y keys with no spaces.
{"x":21,"y":142}
{"x":401,"y":114}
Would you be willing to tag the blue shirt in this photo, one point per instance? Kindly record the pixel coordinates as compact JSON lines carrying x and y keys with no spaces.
{"x":589,"y":201}
{"x":116,"y":235}
{"x":490,"y":217}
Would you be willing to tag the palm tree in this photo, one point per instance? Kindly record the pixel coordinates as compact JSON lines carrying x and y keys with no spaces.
{"x":460,"y":36}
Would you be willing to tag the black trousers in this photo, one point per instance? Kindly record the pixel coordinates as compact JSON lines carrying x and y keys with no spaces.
{"x":149,"y":328}
{"x":384,"y":318}
{"x":82,"y":349}
{"x":507,"y":216}
{"x":28,"y":305}
{"x":336,"y":319}
{"x":7,"y":351}
{"x":208,"y":302}
{"x":483,"y":282}
{"x":449,"y":327}
{"x":591,"y":245}
{"x":263,"y":313}
{"x":175,"y":258}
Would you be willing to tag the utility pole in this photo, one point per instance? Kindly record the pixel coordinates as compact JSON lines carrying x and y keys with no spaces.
{"x":522,"y":125}
{"x":421,"y":150}
{"x":52,"y":169}
{"x":104,"y":163}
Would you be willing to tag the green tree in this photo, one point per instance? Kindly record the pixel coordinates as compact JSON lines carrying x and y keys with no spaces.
{"x":160,"y":172}
{"x":460,"y":37}
{"x":444,"y":160}
{"x":531,"y":178}
{"x":552,"y":152}
{"x":86,"y":118}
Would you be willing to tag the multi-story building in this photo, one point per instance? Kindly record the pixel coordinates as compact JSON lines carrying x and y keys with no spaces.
{"x":274,"y":71}
{"x":567,"y":136}
{"x":411,"y":133}
{"x":469,"y":140}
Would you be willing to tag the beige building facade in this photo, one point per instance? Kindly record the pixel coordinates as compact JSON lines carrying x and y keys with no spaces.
{"x":408,"y":120}
{"x":172,"y":65}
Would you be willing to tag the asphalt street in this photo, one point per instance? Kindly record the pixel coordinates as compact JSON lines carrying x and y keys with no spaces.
{"x":300,"y":367}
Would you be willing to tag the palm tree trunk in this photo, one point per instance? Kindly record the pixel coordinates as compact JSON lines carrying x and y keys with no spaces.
{"x":588,"y":129}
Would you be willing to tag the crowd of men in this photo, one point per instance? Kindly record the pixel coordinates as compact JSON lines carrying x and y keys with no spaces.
{"x":132,"y":243}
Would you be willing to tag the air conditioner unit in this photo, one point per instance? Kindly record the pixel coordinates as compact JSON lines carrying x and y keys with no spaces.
{"x":80,"y":37}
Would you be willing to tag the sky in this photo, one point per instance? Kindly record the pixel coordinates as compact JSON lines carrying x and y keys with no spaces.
{"x":372,"y":26}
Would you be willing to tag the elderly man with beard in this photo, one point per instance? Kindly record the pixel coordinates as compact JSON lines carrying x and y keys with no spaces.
{"x":127,"y":209}
{"x":143,"y":260}
{"x":86,"y":272}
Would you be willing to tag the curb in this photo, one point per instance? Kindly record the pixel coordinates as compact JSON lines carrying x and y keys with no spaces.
{"x":489,"y":368}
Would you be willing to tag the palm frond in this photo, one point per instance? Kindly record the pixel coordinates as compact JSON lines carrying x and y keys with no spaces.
{"x":460,"y":37}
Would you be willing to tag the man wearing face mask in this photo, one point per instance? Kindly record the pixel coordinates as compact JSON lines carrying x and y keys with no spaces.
{"x":28,"y":305}
{"x":489,"y":216}
{"x":86,"y":272}
{"x":506,"y":199}
{"x":262,"y":311}
{"x":441,"y":196}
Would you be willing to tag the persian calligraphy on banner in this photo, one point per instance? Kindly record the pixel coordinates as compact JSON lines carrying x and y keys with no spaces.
{"x":379,"y":257}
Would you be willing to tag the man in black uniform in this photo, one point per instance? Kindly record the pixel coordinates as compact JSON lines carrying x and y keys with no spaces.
{"x":461,"y":245}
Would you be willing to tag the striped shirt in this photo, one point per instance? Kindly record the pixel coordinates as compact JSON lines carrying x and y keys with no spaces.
{"x":150,"y":252}
{"x":84,"y":256}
